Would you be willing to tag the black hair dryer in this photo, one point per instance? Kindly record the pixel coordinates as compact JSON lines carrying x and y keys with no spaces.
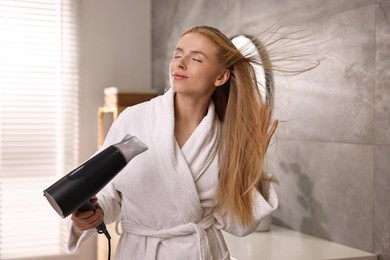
{"x":74,"y":191}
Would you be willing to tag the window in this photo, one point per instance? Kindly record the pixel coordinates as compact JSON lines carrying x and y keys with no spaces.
{"x":38,"y":121}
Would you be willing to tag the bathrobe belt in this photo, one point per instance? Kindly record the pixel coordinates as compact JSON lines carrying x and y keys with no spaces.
{"x":156,"y":236}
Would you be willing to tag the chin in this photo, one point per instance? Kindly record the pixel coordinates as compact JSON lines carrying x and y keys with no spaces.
{"x":176,"y":88}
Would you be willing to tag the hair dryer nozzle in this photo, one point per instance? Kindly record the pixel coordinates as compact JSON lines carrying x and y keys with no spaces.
{"x":130,"y":146}
{"x":76,"y":188}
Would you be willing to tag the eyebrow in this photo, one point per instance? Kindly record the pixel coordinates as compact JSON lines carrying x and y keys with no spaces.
{"x":193,"y":52}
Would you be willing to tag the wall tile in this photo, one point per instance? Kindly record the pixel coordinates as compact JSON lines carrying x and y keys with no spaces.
{"x":335,"y":101}
{"x":382,"y":88}
{"x":382,"y":202}
{"x":299,"y":11}
{"x":326,"y":190}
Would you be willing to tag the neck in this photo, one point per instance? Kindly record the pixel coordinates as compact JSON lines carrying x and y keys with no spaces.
{"x":189,"y":113}
{"x":190,"y":110}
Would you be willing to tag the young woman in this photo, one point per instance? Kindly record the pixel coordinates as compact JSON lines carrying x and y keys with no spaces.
{"x":203,"y":172}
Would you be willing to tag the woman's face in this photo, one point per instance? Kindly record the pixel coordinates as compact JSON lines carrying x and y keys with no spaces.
{"x":194,"y":69}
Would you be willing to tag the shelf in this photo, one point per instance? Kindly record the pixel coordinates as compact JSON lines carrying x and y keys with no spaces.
{"x":285,"y":244}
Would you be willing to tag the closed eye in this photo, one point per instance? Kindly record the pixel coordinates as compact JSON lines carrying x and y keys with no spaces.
{"x":197,"y":60}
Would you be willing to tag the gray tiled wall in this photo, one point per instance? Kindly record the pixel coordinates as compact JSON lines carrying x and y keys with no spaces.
{"x":327,"y":190}
{"x":332,"y":149}
{"x":382,"y":201}
{"x":382,"y":86}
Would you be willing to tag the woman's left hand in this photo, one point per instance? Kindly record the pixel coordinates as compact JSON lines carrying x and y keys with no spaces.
{"x":272,"y":130}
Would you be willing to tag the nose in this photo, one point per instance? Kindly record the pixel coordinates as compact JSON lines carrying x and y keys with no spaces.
{"x":181,"y":63}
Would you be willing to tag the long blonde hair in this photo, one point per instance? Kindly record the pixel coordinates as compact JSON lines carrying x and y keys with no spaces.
{"x":243,"y":142}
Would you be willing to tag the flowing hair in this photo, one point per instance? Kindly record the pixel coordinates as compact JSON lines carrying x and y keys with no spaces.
{"x":243,"y":141}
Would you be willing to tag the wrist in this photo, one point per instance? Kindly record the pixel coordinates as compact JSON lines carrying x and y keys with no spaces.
{"x":76,"y":231}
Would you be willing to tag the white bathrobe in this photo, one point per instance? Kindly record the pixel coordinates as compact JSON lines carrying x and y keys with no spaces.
{"x":165,"y":197}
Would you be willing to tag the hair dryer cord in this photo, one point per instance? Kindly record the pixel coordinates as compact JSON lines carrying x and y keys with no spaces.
{"x":101,"y":228}
{"x":105,"y":232}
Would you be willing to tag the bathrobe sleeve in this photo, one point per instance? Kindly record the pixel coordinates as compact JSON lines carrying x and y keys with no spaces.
{"x":111,"y":214}
{"x":261,"y":209}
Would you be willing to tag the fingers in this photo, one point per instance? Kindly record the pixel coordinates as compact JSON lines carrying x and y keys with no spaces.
{"x":267,"y":117}
{"x":272,"y":130}
{"x":266,"y":125}
{"x":87,"y":219}
{"x":94,"y":200}
{"x":98,"y":218}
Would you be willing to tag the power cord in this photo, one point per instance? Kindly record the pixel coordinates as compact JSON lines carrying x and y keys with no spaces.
{"x":101,"y":228}
{"x":107,"y":234}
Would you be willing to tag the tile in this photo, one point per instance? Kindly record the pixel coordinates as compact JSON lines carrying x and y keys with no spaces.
{"x":335,"y":101}
{"x":326,"y":190}
{"x":382,"y":88}
{"x":301,"y":11}
{"x":382,"y":202}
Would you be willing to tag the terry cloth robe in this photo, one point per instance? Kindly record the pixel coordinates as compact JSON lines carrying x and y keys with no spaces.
{"x":165,"y":197}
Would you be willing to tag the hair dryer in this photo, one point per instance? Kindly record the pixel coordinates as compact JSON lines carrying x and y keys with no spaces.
{"x":74,"y":191}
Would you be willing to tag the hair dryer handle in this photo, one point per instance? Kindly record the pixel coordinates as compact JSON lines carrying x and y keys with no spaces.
{"x":101,"y":228}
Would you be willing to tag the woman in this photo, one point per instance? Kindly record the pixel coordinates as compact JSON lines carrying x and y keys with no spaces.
{"x":203,"y":172}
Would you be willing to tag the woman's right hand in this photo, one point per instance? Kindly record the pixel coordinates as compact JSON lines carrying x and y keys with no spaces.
{"x":84,"y":220}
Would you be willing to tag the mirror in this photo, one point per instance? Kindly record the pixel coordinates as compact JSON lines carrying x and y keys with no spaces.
{"x":249,"y":45}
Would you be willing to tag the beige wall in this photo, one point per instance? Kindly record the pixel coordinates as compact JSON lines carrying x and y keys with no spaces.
{"x":115,"y":51}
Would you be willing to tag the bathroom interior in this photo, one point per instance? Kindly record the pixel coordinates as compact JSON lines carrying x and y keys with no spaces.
{"x":331,"y":151}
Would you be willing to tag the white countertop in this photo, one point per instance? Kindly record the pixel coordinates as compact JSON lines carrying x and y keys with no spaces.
{"x":284,"y":244}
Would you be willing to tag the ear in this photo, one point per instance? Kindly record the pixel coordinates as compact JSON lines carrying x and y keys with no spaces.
{"x":223,"y":77}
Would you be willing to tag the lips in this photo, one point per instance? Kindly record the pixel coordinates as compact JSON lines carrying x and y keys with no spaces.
{"x":179,"y":76}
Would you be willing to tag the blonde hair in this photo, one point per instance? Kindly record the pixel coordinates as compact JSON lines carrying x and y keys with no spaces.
{"x":243,"y":141}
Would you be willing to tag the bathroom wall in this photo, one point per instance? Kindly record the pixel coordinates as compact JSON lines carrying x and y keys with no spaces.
{"x":331,"y":151}
{"x":115,"y":43}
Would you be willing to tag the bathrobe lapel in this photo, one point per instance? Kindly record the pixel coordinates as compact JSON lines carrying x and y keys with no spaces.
{"x":173,"y":167}
{"x":201,"y":148}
